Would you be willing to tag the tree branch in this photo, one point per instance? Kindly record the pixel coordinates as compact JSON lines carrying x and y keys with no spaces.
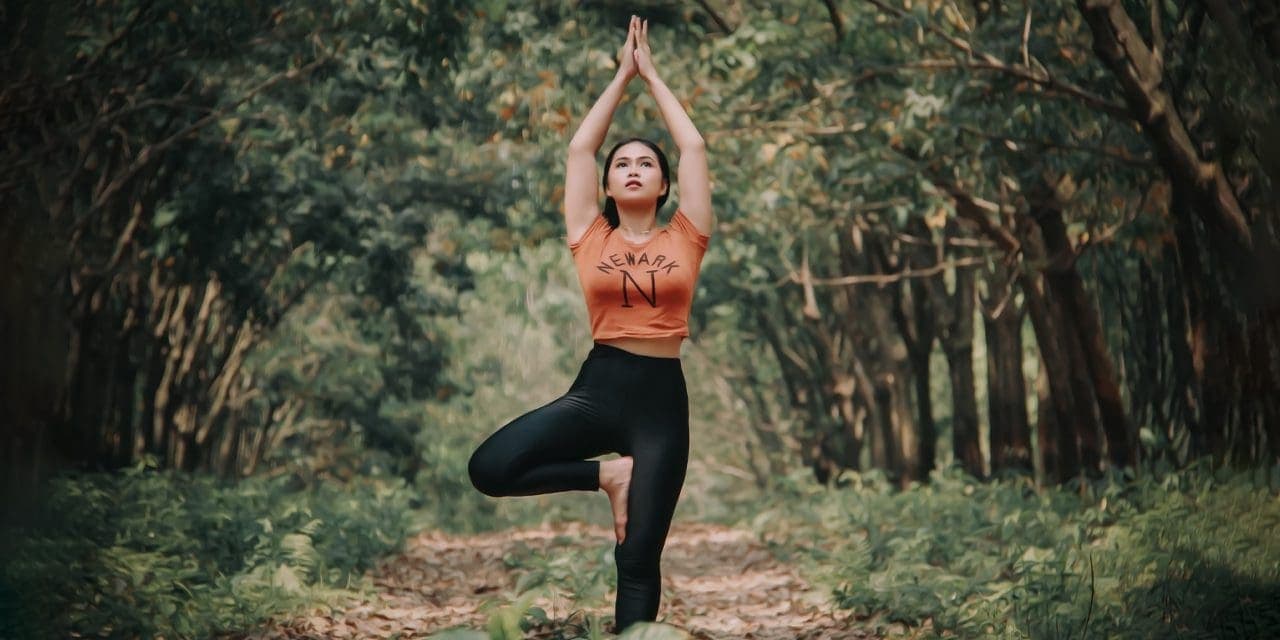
{"x":1026,"y":37}
{"x":1117,"y":41}
{"x":988,"y":61}
{"x":1050,"y":84}
{"x":795,"y":127}
{"x":715,"y":17}
{"x":145,"y":155}
{"x":836,"y":21}
{"x":1157,"y":32}
{"x":969,"y":207}
{"x":1120,"y":156}
{"x":887,"y":278}
{"x":152,"y":151}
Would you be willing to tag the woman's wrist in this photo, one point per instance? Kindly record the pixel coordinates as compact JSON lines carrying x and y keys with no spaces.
{"x":657,"y":88}
{"x":622,"y":77}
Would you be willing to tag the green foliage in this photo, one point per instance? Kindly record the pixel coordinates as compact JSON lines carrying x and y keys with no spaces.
{"x":146,"y":553}
{"x":459,"y":634}
{"x":509,"y":354}
{"x":653,"y":631}
{"x":391,"y":224}
{"x":237,"y":158}
{"x":567,"y":571}
{"x":505,"y":623}
{"x":1119,"y":558}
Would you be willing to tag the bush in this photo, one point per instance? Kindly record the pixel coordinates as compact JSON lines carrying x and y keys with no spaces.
{"x":1187,"y":555}
{"x":146,"y":553}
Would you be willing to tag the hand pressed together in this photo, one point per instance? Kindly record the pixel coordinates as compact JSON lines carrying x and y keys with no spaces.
{"x":626,"y":55}
{"x":642,"y":53}
{"x":636,"y":57}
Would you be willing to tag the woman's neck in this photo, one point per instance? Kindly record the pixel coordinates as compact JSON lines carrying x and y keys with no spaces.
{"x":637,"y":221}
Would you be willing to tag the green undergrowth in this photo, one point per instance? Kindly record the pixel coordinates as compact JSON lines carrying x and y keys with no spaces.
{"x":153,"y":554}
{"x":149,"y":554}
{"x":512,"y":625}
{"x":1187,"y":555}
{"x":1191,"y":554}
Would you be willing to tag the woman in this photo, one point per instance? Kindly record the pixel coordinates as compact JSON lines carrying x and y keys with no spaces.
{"x":629,"y":397}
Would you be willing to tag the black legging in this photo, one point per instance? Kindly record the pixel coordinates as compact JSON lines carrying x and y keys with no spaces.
{"x":620,"y":402}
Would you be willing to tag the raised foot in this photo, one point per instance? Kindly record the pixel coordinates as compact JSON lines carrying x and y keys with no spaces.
{"x":615,"y":479}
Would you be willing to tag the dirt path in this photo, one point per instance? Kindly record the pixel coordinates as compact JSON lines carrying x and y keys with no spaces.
{"x":718,"y":583}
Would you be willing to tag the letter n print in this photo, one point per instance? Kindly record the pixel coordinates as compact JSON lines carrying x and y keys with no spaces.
{"x":651,"y":298}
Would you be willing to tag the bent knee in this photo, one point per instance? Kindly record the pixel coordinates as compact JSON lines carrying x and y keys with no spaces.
{"x":486,"y":475}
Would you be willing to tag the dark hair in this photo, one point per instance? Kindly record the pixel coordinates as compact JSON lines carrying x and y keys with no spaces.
{"x":610,"y":212}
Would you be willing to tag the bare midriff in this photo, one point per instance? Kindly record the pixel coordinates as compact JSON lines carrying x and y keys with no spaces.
{"x":654,"y":347}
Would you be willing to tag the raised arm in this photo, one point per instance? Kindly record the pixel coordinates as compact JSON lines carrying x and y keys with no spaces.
{"x":692,"y":174}
{"x":581,"y":204}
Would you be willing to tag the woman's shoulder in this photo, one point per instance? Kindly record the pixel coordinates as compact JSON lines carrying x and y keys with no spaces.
{"x":681,"y":224}
{"x":597,"y":228}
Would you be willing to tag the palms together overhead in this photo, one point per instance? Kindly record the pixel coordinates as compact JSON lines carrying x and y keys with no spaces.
{"x":626,"y":55}
{"x":635,"y":57}
{"x":643,"y":54}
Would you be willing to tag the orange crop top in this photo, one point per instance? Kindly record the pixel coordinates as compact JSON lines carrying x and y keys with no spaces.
{"x":639,"y":289}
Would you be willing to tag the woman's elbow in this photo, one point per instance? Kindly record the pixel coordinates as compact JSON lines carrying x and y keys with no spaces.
{"x":693,"y":144}
{"x":582,"y":148}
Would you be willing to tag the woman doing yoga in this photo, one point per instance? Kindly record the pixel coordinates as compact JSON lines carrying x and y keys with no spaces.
{"x":629,"y":396}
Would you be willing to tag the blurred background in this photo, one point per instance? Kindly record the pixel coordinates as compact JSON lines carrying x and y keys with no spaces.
{"x":299,"y":259}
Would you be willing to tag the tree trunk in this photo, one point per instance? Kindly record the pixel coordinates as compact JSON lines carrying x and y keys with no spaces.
{"x":764,"y":425}
{"x":1052,"y":468}
{"x":1088,"y":433}
{"x":1069,"y":419}
{"x":1057,"y":424}
{"x":964,"y":406}
{"x":801,"y":375}
{"x":1231,"y":334}
{"x":124,"y":384}
{"x":890,"y":370}
{"x":1190,"y":308}
{"x":1007,"y":393}
{"x":917,"y":319}
{"x":33,"y":339}
{"x":957,"y":344}
{"x":917,"y":333}
{"x":1240,"y":245}
{"x":1271,"y":410}
{"x":1082,"y":318}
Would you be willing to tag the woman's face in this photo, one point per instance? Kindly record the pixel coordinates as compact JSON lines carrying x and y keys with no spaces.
{"x":634,"y":175}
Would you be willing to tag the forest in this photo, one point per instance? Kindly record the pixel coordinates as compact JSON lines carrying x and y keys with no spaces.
{"x":986,"y":342}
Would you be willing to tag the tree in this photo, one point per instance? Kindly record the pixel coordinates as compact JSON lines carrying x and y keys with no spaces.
{"x":173,"y":190}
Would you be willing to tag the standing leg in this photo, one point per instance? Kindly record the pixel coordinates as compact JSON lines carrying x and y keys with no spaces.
{"x":661,"y":457}
{"x":543,"y":451}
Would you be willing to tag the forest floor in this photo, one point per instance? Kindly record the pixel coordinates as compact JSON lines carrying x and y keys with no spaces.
{"x":719,"y":583}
